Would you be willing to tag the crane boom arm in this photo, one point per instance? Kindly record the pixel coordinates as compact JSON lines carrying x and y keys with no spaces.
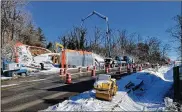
{"x":100,"y":15}
{"x":96,"y":13}
{"x":107,"y":25}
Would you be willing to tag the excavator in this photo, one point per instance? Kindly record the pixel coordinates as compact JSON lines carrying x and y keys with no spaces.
{"x":105,"y":87}
{"x":56,"y":57}
{"x":58,"y":45}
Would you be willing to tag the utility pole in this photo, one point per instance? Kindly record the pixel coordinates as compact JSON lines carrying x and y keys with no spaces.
{"x":180,"y":21}
{"x":107,"y":29}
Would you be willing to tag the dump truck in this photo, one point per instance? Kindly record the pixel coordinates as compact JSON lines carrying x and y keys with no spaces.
{"x":105,"y":87}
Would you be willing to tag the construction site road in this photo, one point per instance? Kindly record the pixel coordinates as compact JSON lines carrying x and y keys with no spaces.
{"x":47,"y":90}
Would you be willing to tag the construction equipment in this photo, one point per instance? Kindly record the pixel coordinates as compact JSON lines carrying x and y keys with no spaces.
{"x":105,"y":87}
{"x":12,"y":69}
{"x":58,"y":45}
{"x":107,"y":29}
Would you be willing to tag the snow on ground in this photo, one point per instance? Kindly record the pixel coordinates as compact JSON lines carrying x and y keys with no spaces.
{"x":150,"y":97}
{"x":98,"y":57}
{"x":161,"y":72}
{"x":51,"y":71}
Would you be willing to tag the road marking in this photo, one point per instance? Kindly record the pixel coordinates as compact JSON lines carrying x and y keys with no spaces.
{"x":30,"y":104}
{"x":34,"y":80}
{"x":9,"y":85}
{"x":3,"y":86}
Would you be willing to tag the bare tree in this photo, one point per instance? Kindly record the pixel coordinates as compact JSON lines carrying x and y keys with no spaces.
{"x":13,"y":19}
{"x":165,"y":49}
{"x":12,"y":22}
{"x":16,"y":25}
{"x":176,"y":33}
{"x":154,"y":53}
{"x":123,"y":41}
{"x":75,"y":39}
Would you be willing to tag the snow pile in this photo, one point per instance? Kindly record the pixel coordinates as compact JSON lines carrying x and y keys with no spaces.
{"x":45,"y":59}
{"x":86,"y":102}
{"x":149,"y":97}
{"x":53,"y":70}
{"x":170,"y":105}
{"x":25,"y":56}
{"x":98,"y":57}
{"x":163,"y":72}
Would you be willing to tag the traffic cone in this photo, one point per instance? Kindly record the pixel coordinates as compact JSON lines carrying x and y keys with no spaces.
{"x":128,"y":66}
{"x":109,"y":66}
{"x":79,"y":69}
{"x":134,"y":69}
{"x":94,"y":67}
{"x":128,"y":69}
{"x":65,"y":71}
{"x":107,"y":70}
{"x":140,"y":68}
{"x":68,"y":78}
{"x":135,"y":64}
{"x":61,"y":72}
{"x":88,"y":68}
{"x":119,"y":69}
{"x":93,"y":73}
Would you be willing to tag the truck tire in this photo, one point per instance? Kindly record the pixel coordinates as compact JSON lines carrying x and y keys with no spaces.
{"x":14,"y":75}
{"x":23,"y":74}
{"x":27,"y":74}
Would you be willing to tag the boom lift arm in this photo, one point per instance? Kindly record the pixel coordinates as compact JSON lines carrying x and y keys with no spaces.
{"x":107,"y":25}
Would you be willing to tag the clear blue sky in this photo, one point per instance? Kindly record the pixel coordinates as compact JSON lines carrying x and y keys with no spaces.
{"x":145,"y":18}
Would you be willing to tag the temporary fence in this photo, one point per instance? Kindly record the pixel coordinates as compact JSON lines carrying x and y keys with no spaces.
{"x":76,"y":58}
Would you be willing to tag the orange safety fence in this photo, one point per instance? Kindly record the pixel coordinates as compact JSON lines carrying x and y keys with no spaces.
{"x":79,"y":51}
{"x":16,"y":51}
{"x":63,"y":58}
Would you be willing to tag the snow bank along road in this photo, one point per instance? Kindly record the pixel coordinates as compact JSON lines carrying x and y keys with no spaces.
{"x":42,"y":91}
{"x":149,"y":98}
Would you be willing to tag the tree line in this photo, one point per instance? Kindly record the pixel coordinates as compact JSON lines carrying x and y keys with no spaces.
{"x":17,"y":25}
{"x":123,"y":43}
{"x":151,"y":49}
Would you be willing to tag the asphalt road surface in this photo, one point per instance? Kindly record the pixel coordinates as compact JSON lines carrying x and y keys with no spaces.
{"x":42,"y":91}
